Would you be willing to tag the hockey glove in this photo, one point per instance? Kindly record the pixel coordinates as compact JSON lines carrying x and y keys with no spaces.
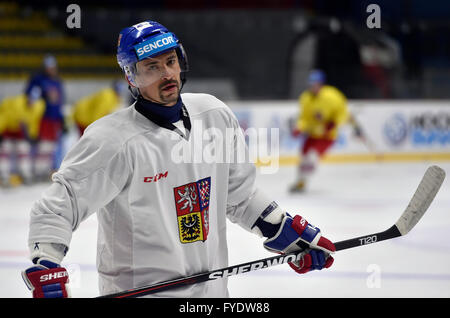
{"x":47,"y":280}
{"x":296,"y":234}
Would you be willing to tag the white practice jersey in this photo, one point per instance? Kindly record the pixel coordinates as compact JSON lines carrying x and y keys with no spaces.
{"x":161,"y":214}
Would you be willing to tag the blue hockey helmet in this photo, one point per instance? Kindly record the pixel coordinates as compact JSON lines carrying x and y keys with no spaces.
{"x":146,"y":40}
{"x":316,"y":76}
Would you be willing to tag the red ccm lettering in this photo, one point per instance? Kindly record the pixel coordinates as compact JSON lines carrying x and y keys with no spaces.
{"x":157,"y":177}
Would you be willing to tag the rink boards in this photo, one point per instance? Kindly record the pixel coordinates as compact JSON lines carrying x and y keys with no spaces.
{"x":394,"y":131}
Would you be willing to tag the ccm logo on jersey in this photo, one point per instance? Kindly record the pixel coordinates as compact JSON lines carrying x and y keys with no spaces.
{"x":157,"y":177}
{"x":56,"y":275}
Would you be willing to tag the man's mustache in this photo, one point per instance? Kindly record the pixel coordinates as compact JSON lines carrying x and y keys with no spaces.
{"x":168,"y":83}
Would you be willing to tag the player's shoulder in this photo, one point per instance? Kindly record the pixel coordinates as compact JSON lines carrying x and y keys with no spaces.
{"x":105,"y":92}
{"x":115,"y":128}
{"x":331,"y":90}
{"x":202,"y":106}
{"x":305,"y":94}
{"x":305,"y":98}
{"x":198,"y":103}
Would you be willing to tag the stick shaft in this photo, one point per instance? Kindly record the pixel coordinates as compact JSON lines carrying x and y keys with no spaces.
{"x":206,"y":276}
{"x":250,"y":266}
{"x":390,"y":233}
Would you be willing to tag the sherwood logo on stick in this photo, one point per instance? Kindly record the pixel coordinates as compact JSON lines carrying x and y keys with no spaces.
{"x":239,"y":269}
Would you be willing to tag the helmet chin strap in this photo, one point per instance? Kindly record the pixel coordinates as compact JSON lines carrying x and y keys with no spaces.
{"x":134,"y":91}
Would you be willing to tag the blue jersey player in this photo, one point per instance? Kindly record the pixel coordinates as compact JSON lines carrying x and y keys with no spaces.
{"x":52,"y":122}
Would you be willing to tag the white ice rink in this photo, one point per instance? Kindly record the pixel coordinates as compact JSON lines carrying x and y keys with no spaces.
{"x":344,"y":200}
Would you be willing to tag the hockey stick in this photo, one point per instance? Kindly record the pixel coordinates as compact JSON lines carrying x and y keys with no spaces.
{"x":418,"y":205}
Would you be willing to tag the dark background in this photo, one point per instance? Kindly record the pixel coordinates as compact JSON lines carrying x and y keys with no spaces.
{"x":266,"y":48}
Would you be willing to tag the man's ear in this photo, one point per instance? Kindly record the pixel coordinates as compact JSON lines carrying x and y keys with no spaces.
{"x":133,"y":89}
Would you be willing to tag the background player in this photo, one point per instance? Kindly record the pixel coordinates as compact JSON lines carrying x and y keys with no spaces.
{"x":52,"y":122}
{"x":93,"y":107}
{"x":19,"y":127}
{"x":158,"y":219}
{"x":323,"y":108}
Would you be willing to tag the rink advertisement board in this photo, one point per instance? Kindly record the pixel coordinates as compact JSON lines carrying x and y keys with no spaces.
{"x":392,"y":130}
{"x":407,"y":128}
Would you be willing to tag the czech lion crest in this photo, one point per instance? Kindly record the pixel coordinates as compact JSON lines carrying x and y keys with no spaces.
{"x":192,"y":205}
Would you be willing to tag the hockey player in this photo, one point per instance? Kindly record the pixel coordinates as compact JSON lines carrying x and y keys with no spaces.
{"x":19,"y":124}
{"x":52,"y":123}
{"x":323,"y":109}
{"x":93,"y":107}
{"x":158,"y":219}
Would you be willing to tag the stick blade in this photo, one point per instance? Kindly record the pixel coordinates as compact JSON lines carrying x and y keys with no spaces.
{"x":421,"y":200}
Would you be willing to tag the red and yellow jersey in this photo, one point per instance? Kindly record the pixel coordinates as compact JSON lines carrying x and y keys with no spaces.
{"x":15,"y":115}
{"x":93,"y":107}
{"x":317,"y":112}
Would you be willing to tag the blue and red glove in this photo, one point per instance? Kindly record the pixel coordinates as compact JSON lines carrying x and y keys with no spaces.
{"x":296,"y":234}
{"x":47,"y":280}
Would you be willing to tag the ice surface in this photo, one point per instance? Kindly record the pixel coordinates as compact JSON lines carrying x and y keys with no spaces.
{"x":343,"y":200}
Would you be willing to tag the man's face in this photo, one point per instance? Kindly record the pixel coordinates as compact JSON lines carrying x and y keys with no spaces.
{"x":158,"y":78}
{"x":315,"y":87}
{"x":51,"y":71}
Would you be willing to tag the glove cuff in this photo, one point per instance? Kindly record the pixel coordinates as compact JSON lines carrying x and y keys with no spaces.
{"x":269,"y":221}
{"x":52,"y":252}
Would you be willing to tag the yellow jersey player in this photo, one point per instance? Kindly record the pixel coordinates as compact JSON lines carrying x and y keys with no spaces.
{"x":323,"y":109}
{"x":19,"y":124}
{"x":93,"y":107}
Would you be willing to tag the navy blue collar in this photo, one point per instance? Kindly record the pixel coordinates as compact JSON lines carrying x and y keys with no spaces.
{"x":164,"y":116}
{"x":169,"y":114}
